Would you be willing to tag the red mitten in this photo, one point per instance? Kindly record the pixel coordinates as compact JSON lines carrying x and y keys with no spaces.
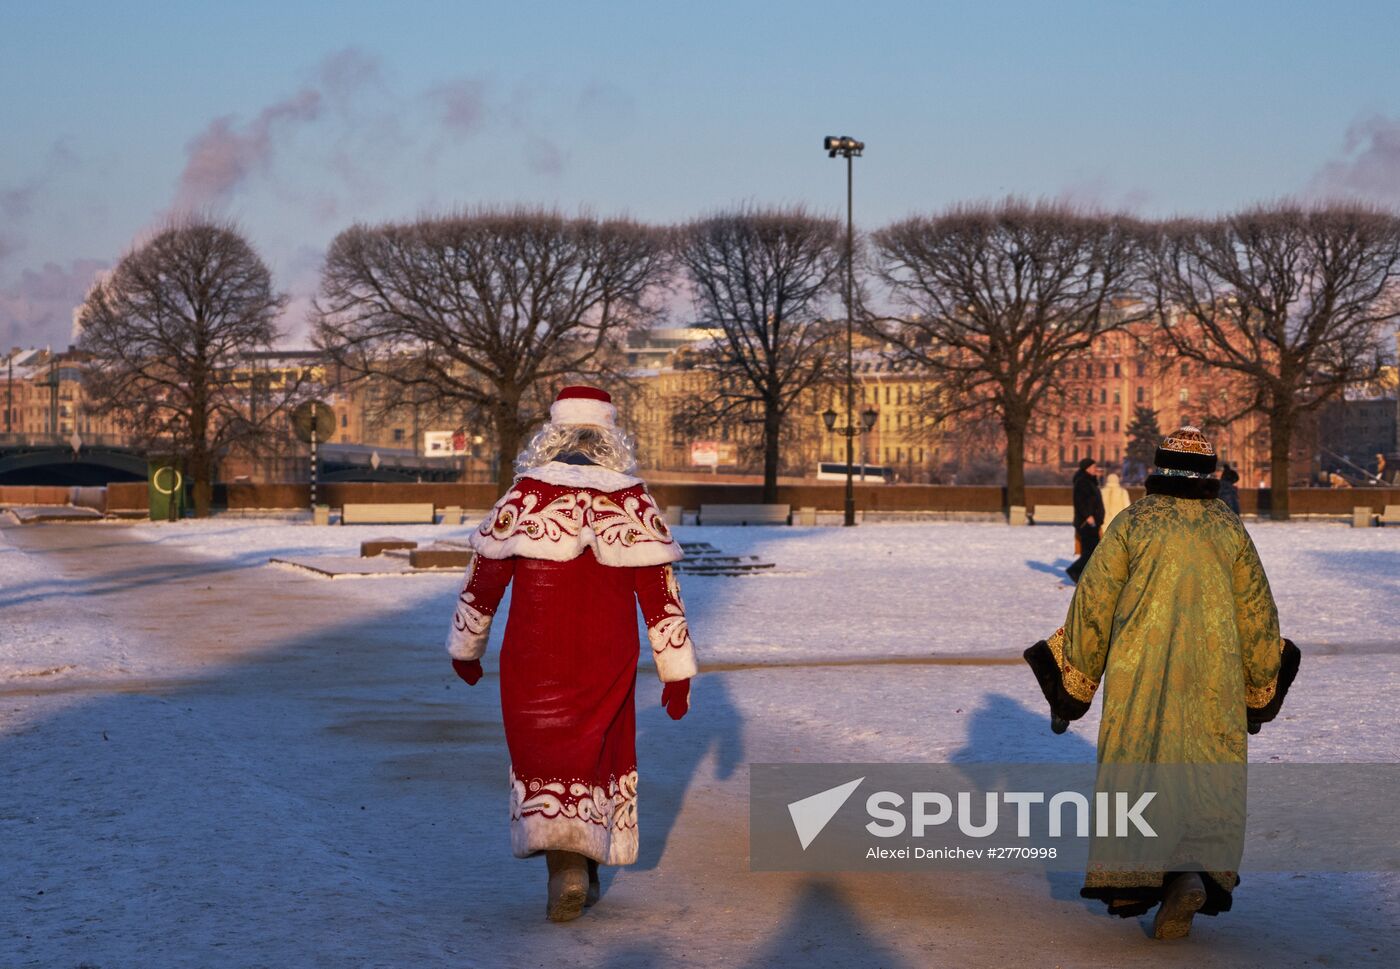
{"x":675,"y":697}
{"x":468,"y":669}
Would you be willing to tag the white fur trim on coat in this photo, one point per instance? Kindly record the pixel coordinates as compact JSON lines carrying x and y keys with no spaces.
{"x":593,"y":476}
{"x":671,"y":648}
{"x":570,"y":815}
{"x":538,"y":520}
{"x":583,"y":410}
{"x":471,"y":627}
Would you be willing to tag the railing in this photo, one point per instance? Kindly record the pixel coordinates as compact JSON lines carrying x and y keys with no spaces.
{"x":64,"y":440}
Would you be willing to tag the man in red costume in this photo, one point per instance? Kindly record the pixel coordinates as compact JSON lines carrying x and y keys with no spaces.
{"x":584,"y":543}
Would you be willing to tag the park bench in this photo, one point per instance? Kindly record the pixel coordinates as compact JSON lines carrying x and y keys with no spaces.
{"x":1053,"y":515}
{"x":1391,"y":515}
{"x":745,"y":515}
{"x":387,"y":513}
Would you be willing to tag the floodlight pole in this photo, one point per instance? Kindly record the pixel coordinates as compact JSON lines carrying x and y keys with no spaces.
{"x":850,"y":148}
{"x":850,"y":345}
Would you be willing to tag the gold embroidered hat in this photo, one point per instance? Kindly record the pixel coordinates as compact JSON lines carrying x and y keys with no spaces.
{"x":1186,"y":452}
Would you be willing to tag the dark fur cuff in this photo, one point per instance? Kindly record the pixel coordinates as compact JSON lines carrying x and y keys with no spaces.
{"x":1198,"y":488}
{"x":1287,"y":671}
{"x":1047,"y":674}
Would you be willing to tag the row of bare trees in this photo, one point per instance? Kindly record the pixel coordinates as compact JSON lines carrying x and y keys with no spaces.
{"x":478,"y":317}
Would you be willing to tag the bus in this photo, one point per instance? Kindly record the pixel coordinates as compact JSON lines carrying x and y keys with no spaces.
{"x":865,"y":473}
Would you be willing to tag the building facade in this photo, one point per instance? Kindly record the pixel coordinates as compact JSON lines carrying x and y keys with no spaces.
{"x":42,"y":398}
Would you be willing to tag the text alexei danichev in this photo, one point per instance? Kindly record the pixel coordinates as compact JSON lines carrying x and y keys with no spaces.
{"x":956,"y":852}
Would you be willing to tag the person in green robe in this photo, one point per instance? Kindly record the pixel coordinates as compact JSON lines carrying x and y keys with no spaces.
{"x":1174,"y":621}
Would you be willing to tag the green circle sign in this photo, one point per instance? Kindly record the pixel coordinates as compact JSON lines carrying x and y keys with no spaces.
{"x":175,"y":483}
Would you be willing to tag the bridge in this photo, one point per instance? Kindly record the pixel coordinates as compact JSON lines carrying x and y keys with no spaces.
{"x":48,"y":460}
{"x":45,"y":460}
{"x":363,"y":462}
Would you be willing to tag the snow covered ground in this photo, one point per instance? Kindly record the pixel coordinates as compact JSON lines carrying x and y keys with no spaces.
{"x":209,"y":761}
{"x":881,"y":590}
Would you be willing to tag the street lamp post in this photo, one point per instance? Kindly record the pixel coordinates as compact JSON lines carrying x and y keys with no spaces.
{"x":868,"y":417}
{"x":848,"y":148}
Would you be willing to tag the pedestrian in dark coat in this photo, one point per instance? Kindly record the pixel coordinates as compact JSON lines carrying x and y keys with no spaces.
{"x":1088,"y":515}
{"x":1229,"y":488}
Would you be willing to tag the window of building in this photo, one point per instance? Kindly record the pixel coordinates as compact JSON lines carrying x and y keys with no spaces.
{"x":1141,"y":395}
{"x":344,"y":420}
{"x":398,"y":434}
{"x":1183,"y":395}
{"x":1062,"y":454}
{"x":1185,"y":369}
{"x":1142,"y":369}
{"x":1103,"y":395}
{"x":1103,"y":424}
{"x":1074,"y":453}
{"x":1103,"y":370}
{"x":1115,"y":423}
{"x":1117,"y":370}
{"x":1117,"y":397}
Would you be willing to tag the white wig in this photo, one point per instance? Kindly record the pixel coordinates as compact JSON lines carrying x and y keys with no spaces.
{"x":608,"y":447}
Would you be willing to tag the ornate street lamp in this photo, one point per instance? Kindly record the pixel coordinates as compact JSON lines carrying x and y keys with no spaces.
{"x":868,"y":417}
{"x":848,"y":148}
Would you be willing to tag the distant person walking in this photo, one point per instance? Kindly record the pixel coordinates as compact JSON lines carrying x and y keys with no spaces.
{"x":1175,"y":619}
{"x":1115,"y":499}
{"x":1229,"y":488}
{"x":1088,"y":515}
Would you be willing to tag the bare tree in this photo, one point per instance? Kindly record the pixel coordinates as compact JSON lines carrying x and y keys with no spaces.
{"x":170,"y":332}
{"x":1292,"y":298}
{"x":485,"y":312}
{"x":760,"y":277}
{"x":992,"y":299}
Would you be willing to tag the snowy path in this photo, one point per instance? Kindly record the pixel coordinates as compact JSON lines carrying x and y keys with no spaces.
{"x":249,"y":767}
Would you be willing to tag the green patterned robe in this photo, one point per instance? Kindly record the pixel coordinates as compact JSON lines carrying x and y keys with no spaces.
{"x":1173,"y":618}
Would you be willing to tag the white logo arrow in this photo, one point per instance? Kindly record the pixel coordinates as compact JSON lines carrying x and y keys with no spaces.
{"x":811,"y":814}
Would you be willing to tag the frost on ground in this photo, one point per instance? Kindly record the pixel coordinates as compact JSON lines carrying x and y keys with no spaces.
{"x":207,"y":761}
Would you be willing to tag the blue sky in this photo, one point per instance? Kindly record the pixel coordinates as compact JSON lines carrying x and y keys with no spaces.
{"x":299,"y":118}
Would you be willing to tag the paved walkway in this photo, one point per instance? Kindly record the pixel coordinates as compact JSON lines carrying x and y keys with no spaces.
{"x":310,"y":786}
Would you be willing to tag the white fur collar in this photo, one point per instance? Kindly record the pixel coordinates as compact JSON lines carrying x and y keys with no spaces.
{"x":592,"y":476}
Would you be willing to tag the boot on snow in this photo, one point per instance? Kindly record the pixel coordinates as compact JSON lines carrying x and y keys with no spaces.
{"x":568,"y":885}
{"x":1183,"y":899}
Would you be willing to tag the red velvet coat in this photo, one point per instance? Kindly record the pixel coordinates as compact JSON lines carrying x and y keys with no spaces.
{"x":583,"y":546}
